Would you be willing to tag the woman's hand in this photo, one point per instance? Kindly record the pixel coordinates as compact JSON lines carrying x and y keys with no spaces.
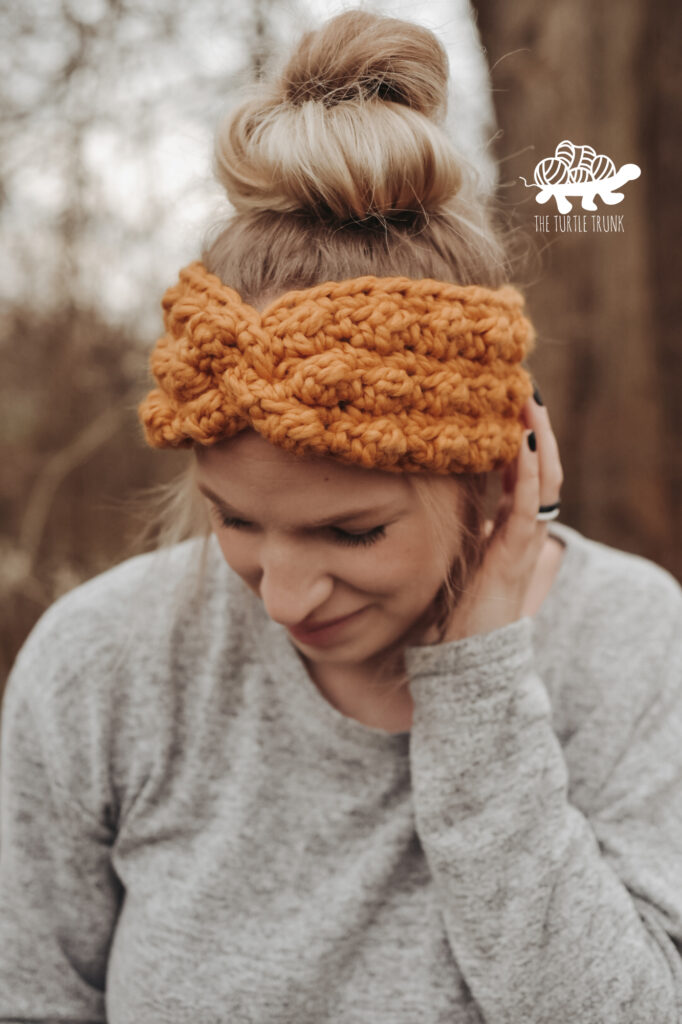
{"x":495,"y":595}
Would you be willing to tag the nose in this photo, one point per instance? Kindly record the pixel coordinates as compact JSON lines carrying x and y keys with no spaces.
{"x":292,"y":586}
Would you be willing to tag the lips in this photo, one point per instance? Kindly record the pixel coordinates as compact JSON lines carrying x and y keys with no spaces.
{"x":324,"y":633}
{"x":312,"y":627}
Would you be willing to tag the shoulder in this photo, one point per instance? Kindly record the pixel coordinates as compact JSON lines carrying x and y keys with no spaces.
{"x":615,"y":674}
{"x":93,"y":617}
{"x":131,"y":617}
{"x":616,"y":639}
{"x":111,"y":667}
{"x":616,"y":588}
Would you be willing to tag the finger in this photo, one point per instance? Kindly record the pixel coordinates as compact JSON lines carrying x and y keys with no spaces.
{"x":501,"y":514}
{"x":504,"y":503}
{"x":549,"y":462}
{"x":522,"y":525}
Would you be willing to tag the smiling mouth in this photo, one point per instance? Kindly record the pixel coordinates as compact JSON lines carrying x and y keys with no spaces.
{"x":323,"y":626}
{"x":324,"y":629}
{"x":314,"y":626}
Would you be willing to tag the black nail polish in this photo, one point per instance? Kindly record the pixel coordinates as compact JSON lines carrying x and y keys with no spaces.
{"x":531,"y":441}
{"x":536,"y":395}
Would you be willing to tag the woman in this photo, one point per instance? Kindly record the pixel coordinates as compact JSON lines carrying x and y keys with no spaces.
{"x":461,"y":802}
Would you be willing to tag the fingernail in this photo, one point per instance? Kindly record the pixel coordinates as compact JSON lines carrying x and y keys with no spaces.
{"x":536,"y":395}
{"x":531,"y":441}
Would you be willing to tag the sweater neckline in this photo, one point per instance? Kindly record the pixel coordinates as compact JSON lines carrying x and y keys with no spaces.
{"x":297,"y":690}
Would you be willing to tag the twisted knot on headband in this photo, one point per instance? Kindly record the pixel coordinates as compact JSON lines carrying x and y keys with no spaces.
{"x":385,"y":372}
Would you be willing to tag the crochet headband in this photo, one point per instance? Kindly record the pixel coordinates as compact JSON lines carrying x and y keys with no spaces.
{"x":387,"y":373}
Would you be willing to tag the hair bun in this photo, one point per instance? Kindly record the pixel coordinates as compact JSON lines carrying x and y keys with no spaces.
{"x":411,"y":67}
{"x":350,"y":127}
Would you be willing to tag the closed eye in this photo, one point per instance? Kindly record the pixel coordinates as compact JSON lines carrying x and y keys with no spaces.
{"x":340,"y":536}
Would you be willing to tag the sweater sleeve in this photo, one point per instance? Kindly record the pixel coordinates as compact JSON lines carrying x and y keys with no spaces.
{"x":59,"y":896}
{"x":553,"y":913}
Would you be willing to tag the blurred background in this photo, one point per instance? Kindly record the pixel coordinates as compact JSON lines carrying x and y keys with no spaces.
{"x":106,"y":190}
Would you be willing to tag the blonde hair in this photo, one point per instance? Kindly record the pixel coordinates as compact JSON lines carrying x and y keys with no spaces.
{"x":338,"y":165}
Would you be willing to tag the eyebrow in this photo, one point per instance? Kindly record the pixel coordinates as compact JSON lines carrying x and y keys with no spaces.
{"x":355,"y":513}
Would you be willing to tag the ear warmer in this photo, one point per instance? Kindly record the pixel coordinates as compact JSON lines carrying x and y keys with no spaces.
{"x":384,"y":372}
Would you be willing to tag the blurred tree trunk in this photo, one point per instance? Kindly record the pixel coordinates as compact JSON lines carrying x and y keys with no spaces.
{"x":606,"y":305}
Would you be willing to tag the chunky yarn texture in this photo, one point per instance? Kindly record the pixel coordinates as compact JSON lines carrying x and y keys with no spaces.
{"x":387,"y":373}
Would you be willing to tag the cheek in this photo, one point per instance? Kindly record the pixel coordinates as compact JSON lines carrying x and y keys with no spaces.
{"x":417,"y":569}
{"x":399,"y":563}
{"x":402,"y":568}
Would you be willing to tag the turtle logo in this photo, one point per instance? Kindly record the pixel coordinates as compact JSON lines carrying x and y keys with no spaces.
{"x":579,"y":171}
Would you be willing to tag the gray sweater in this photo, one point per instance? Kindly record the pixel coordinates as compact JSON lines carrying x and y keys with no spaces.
{"x":190,"y":833}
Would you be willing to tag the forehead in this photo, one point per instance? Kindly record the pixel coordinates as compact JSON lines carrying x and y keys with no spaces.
{"x":249,"y":464}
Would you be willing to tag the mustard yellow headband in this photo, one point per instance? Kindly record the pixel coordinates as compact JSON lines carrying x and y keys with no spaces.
{"x":385,"y":372}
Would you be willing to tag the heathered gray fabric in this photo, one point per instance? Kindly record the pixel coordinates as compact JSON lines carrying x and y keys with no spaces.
{"x":191,"y":833}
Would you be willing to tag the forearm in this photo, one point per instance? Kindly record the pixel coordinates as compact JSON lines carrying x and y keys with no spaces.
{"x":539,"y":924}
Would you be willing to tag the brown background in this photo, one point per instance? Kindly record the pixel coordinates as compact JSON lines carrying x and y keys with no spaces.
{"x":607,"y":306}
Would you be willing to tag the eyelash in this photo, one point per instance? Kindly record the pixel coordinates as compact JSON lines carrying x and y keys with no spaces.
{"x":349,"y":539}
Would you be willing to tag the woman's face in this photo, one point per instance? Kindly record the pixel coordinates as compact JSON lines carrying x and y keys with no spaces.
{"x":375,"y":557}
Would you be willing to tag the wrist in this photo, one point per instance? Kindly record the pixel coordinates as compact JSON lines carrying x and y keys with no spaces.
{"x":480,"y":654}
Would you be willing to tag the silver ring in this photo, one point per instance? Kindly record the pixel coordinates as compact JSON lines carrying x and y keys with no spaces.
{"x":548,"y":511}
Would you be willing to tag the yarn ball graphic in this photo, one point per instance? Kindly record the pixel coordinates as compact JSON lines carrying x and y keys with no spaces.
{"x":565,"y":151}
{"x":579,"y":174}
{"x":602,"y":167}
{"x":573,"y":165}
{"x":551,"y":171}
